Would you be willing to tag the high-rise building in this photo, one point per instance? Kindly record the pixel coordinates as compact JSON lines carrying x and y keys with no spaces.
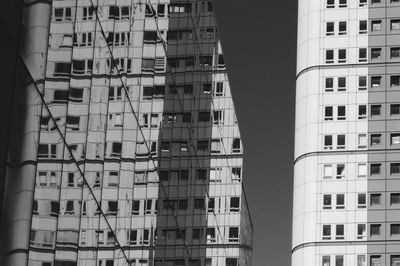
{"x":124,"y":147}
{"x":347,"y":153}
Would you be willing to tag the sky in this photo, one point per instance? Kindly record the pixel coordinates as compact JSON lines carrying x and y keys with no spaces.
{"x":259,"y":44}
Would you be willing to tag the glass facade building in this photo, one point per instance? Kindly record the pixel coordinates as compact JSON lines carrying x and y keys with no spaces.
{"x":127,"y":149}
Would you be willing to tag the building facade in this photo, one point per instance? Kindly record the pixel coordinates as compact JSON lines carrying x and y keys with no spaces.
{"x":128,"y":150}
{"x":347,"y":158}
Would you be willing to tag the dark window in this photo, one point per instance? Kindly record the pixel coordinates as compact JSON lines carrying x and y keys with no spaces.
{"x":60,"y":96}
{"x":187,"y":117}
{"x":150,"y":36}
{"x":375,"y":169}
{"x":375,"y":139}
{"x":203,"y":145}
{"x":76,"y":95}
{"x":204,"y":116}
{"x":199,"y":203}
{"x":394,"y":168}
{"x":236,"y":145}
{"x":231,"y":262}
{"x":394,"y":109}
{"x":183,"y":204}
{"x":202,"y":174}
{"x":375,"y":229}
{"x":394,"y":81}
{"x":376,"y":110}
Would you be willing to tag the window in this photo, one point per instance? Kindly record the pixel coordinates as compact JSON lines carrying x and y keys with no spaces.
{"x":76,"y":95}
{"x":395,"y":139}
{"x":330,"y":3}
{"x":326,"y":260}
{"x":83,"y":39}
{"x":62,"y":14}
{"x":150,"y":36}
{"x":394,"y":81}
{"x":326,"y":232}
{"x":341,"y":113}
{"x":119,"y":12}
{"x":87,"y":12}
{"x":361,"y":261}
{"x":376,"y":81}
{"x":362,"y":141}
{"x":330,"y":28}
{"x":394,"y":260}
{"x":112,"y":207}
{"x":328,"y":84}
{"x":215,"y":146}
{"x":206,"y":60}
{"x":375,"y":199}
{"x":363,"y":27}
{"x":233,"y":234}
{"x":204,"y":116}
{"x":340,"y":171}
{"x":82,"y":67}
{"x":341,"y":83}
{"x":73,"y":123}
{"x":202,"y":174}
{"x":328,"y":173}
{"x":219,"y":90}
{"x":394,"y":198}
{"x":135,"y":207}
{"x":236,"y":173}
{"x":203,"y":145}
{"x":327,"y":202}
{"x":183,"y":204}
{"x":211,"y":205}
{"x":395,"y":52}
{"x":361,"y":200}
{"x":375,"y":169}
{"x":342,"y":28}
{"x":116,"y":148}
{"x":375,"y":229}
{"x":362,"y":83}
{"x":376,"y":53}
{"x":395,"y":168}
{"x":329,"y":56}
{"x":376,"y":25}
{"x":328,"y":142}
{"x":234,"y":204}
{"x":362,"y":112}
{"x":47,"y":151}
{"x":62,"y":69}
{"x":340,"y":201}
{"x":339,"y":260}
{"x":395,"y":230}
{"x":362,"y":55}
{"x":341,"y":141}
{"x":376,"y":110}
{"x":231,"y":262}
{"x":342,"y":56}
{"x":328,"y":113}
{"x":375,"y":139}
{"x":395,"y":109}
{"x":361,"y":231}
{"x":375,"y":260}
{"x":210,"y":233}
{"x":395,"y":24}
{"x":362,"y":170}
{"x":236,"y":145}
{"x":218,"y":117}
{"x":342,"y":3}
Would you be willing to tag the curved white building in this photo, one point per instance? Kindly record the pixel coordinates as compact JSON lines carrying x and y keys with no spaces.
{"x":347,"y":154}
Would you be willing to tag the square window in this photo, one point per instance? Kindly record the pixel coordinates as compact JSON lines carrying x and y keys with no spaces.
{"x":395,"y":230}
{"x":339,"y":260}
{"x":342,"y":3}
{"x":395,"y":109}
{"x":375,"y":229}
{"x":375,"y":260}
{"x":394,"y":198}
{"x":395,"y":52}
{"x":395,"y":168}
{"x":394,"y":81}
{"x":376,"y":81}
{"x":376,"y":25}
{"x":330,"y":3}
{"x":395,"y":139}
{"x":376,"y":110}
{"x":376,"y":139}
{"x":395,"y":24}
{"x":376,"y":53}
{"x":375,"y":169}
{"x":394,"y":260}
